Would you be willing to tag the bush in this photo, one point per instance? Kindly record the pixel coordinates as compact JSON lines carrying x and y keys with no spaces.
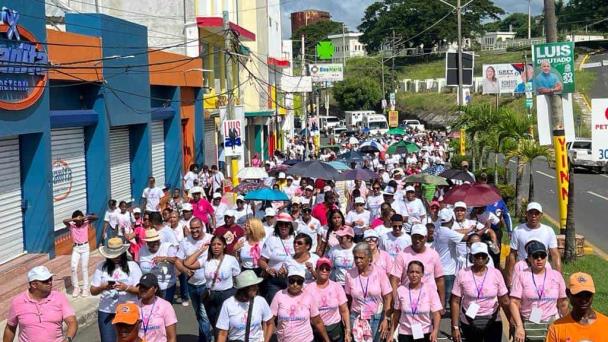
{"x":457,"y":159}
{"x":508,"y":195}
{"x":489,"y":171}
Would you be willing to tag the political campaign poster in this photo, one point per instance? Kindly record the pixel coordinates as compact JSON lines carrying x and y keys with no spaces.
{"x":599,"y":129}
{"x":553,"y":68}
{"x":506,"y":78}
{"x":233,"y":131}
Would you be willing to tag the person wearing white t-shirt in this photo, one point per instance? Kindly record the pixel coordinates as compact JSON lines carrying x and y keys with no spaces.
{"x":310,"y":226}
{"x":341,"y":255}
{"x":389,"y":197}
{"x":191,"y":178}
{"x":234,"y":314}
{"x":464,"y":226}
{"x":242,"y":211}
{"x":374,"y":200}
{"x":217,"y":180}
{"x":397,"y":240}
{"x":358,"y":218}
{"x":532,"y":229}
{"x":159,"y":259}
{"x":416,"y":211}
{"x":219,"y":209}
{"x":110,"y":221}
{"x":151,"y":196}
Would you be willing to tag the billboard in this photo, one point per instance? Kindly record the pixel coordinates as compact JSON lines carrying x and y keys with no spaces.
{"x":233,"y":132}
{"x":553,"y":68}
{"x":326,"y":72}
{"x":599,"y":129}
{"x":506,"y":78}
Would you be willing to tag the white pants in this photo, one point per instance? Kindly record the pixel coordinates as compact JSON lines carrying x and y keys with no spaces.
{"x":80,"y":253}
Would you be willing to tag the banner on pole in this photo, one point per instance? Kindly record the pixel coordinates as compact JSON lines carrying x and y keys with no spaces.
{"x":599,"y":129}
{"x":543,"y":121}
{"x":233,"y":132}
{"x":393,"y":118}
{"x":326,"y":72}
{"x":553,"y":68}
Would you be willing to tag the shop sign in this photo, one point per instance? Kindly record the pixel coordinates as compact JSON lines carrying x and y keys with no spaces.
{"x":62,"y":180}
{"x":23,"y":64}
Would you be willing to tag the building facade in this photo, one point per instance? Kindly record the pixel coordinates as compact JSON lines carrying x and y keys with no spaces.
{"x":347,"y":45}
{"x":307,"y":17}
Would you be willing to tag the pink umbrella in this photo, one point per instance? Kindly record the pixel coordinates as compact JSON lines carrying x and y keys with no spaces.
{"x":474,"y":195}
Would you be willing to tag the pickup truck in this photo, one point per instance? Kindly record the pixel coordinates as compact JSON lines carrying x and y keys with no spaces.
{"x":580,"y":155}
{"x":415,"y":124}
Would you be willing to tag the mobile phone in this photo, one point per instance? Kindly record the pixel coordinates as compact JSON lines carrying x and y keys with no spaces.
{"x":111,"y":283}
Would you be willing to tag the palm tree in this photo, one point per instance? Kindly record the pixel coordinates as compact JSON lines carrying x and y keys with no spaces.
{"x":527,"y":150}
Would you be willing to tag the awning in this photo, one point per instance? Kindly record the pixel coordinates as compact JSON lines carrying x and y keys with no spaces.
{"x":216,"y":25}
{"x":73,"y":118}
{"x":162,"y":113}
{"x":281,"y":63}
{"x":259,"y":114}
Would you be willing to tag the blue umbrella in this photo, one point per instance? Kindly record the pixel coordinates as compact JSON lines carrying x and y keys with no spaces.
{"x":340,"y":166}
{"x":370,"y":146}
{"x":351,"y":156}
{"x":266,"y":195}
{"x":434,"y":170}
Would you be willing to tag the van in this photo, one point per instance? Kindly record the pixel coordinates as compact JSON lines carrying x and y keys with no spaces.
{"x":326,"y":123}
{"x":376,"y":124}
{"x":354,"y":118}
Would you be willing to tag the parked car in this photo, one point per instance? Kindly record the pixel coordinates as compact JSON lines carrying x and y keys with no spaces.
{"x":415,"y":124}
{"x":581,"y":156}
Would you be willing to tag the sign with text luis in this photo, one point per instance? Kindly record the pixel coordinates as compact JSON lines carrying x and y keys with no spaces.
{"x":326,"y":72}
{"x":553,"y":68}
{"x":233,"y":144}
{"x":599,"y":129}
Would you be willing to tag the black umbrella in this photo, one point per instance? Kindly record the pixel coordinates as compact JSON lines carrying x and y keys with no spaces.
{"x":456,"y":174}
{"x":314,"y":169}
{"x":292,"y":162}
{"x":351,"y":156}
{"x":358,"y":174}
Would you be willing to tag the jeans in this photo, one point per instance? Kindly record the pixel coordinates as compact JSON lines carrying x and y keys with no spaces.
{"x":374,"y":323}
{"x":183,"y":287}
{"x":204,"y":326}
{"x":271,"y":286}
{"x":106,"y":329}
{"x":80,"y":254}
{"x":168,"y":293}
{"x":215,"y":301}
{"x":449,"y":284}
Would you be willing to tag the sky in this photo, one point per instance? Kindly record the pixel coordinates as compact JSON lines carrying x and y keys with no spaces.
{"x":351,"y":11}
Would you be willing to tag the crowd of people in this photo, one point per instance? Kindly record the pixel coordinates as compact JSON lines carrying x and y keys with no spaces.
{"x":340,"y":261}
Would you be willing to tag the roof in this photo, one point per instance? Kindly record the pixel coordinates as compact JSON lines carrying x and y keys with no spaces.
{"x":347,"y":35}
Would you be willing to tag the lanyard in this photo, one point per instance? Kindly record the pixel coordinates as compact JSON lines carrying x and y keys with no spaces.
{"x":366,"y":286}
{"x":479,"y":288}
{"x":287,"y":252}
{"x":542,"y":289}
{"x":146,"y":323}
{"x":414,"y":307}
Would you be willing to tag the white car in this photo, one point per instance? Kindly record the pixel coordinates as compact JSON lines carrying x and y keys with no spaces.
{"x":580,"y":155}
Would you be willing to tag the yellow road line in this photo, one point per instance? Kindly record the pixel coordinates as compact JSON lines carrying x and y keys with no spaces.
{"x":598,"y":251}
{"x":580,"y":66}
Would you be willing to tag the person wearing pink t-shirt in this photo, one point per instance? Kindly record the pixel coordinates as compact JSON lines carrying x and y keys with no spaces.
{"x":78,"y":226}
{"x":478,"y":291}
{"x":295,"y":311}
{"x":201,"y":208}
{"x":417,"y":307}
{"x":369,"y":293}
{"x":159,"y":321}
{"x":538,"y":295}
{"x":332,"y":302}
{"x":433,"y":275}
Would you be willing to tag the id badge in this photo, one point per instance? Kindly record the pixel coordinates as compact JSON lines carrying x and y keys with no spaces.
{"x":472,"y":310}
{"x":536,"y":315}
{"x":417,"y":332}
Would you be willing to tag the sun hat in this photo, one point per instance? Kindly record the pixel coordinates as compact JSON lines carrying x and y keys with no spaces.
{"x":217,"y":195}
{"x":419,"y":229}
{"x":296,"y":270}
{"x":246,"y":278}
{"x":369,"y":233}
{"x":389,"y":191}
{"x":435,"y":204}
{"x":346,"y":231}
{"x":152,"y":235}
{"x":479,"y":247}
{"x":535,"y":246}
{"x":359,"y":200}
{"x":196,"y":190}
{"x":136,"y":211}
{"x":534,"y":206}
{"x":270,"y":212}
{"x":284,"y":217}
{"x":39,"y":273}
{"x":460,"y":204}
{"x":445,"y":215}
{"x":148,"y":280}
{"x":580,"y":282}
{"x":324,"y":261}
{"x":409,"y":188}
{"x":113,"y":249}
{"x":186,"y":207}
{"x":127,"y":313}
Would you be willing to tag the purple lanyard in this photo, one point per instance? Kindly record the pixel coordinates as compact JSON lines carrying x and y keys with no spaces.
{"x":146,"y":324}
{"x":542,"y":289}
{"x":366,"y":286}
{"x":479,"y":288}
{"x":414,"y":307}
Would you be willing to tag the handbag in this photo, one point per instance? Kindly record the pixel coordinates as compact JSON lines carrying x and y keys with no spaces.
{"x":206,"y":295}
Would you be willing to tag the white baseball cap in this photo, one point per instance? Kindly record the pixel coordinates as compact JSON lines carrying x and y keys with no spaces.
{"x":419,"y":229}
{"x":445,"y":215}
{"x":460,"y":204}
{"x":290,"y":177}
{"x":370,"y":233}
{"x":270,"y":212}
{"x":409,"y":188}
{"x":240,"y":198}
{"x":309,"y":187}
{"x":138,"y":211}
{"x":389,"y":191}
{"x":230,"y":213}
{"x":479,"y":247}
{"x":326,"y":188}
{"x":186,"y":207}
{"x":217,"y":195}
{"x":296,"y":270}
{"x":296,"y":200}
{"x":39,"y":273}
{"x":196,"y":190}
{"x":534,"y":206}
{"x":281,"y":175}
{"x":359,"y":200}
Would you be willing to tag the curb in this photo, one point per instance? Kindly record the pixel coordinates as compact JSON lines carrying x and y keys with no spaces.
{"x":588,"y":245}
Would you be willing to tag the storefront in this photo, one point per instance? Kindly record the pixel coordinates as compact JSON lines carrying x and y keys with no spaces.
{"x":120,"y":164}
{"x":11,"y":225}
{"x":157,"y":131}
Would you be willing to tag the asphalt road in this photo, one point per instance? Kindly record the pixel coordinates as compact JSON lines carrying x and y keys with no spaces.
{"x":600,"y":86}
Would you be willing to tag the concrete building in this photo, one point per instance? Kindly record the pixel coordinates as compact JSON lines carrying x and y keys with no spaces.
{"x":347,"y":45}
{"x":491,"y":38}
{"x":307,"y":17}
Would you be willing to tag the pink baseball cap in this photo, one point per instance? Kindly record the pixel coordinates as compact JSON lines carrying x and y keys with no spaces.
{"x":346,"y":231}
{"x":324,"y":261}
{"x":284,"y":217}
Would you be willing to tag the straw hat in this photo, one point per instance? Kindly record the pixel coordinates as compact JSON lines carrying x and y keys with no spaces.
{"x":114,"y":248}
{"x":152,"y":235}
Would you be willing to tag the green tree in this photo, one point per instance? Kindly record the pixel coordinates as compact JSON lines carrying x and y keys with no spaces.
{"x":357,"y":93}
{"x":576,"y":14}
{"x":519,"y":24}
{"x":313,"y":34}
{"x":411,"y":19}
{"x":358,"y":67}
{"x":526,"y":152}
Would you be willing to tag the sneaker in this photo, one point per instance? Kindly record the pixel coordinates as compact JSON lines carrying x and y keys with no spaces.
{"x":85,"y":293}
{"x":185,"y":303}
{"x":76,"y":292}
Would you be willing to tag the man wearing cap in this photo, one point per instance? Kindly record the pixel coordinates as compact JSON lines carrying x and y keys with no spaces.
{"x":320,"y":210}
{"x":219,"y":209}
{"x":290,"y":188}
{"x":242,"y":211}
{"x":416,"y":211}
{"x":40,"y":312}
{"x":281,"y":180}
{"x":358,"y":218}
{"x":532,"y":229}
{"x":308,"y":196}
{"x":127,"y":322}
{"x":201,"y":208}
{"x":216,"y":177}
{"x":230,"y":231}
{"x":389,"y":197}
{"x":308,"y":225}
{"x":464,"y":226}
{"x":396,"y":240}
{"x":150,"y":198}
{"x":433,"y":275}
{"x":464,"y":165}
{"x":582,"y":323}
{"x":186,"y":216}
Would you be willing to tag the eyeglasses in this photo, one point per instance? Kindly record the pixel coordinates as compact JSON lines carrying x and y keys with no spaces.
{"x":539,"y":255}
{"x":376,"y":188}
{"x":296,"y":280}
{"x":398,"y":226}
{"x":299,"y":243}
{"x":325,"y":268}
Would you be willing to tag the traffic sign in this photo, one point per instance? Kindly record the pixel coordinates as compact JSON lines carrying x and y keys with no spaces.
{"x":325,"y":50}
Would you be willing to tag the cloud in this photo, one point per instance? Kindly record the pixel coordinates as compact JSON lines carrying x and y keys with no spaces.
{"x":351,"y":11}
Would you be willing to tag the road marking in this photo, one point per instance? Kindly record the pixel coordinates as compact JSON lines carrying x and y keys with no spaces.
{"x":600,"y":252}
{"x":603,"y":175}
{"x":546,"y":174}
{"x":597,"y":195}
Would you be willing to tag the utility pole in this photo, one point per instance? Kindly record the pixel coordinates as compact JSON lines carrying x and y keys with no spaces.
{"x":343,"y":50}
{"x":459,"y":13}
{"x":96,"y":6}
{"x":234,"y":162}
{"x":529,"y":20}
{"x":304,"y":104}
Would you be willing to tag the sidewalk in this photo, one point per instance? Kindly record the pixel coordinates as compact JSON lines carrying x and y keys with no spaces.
{"x":13,"y":277}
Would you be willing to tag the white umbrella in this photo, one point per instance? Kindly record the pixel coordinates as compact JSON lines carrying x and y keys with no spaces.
{"x":252,"y":173}
{"x":353,"y":141}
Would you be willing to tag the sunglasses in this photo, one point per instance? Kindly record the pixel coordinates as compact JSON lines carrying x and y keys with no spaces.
{"x":296,"y":280}
{"x":325,"y":268}
{"x":397,"y":226}
{"x":299,"y":243}
{"x":371,"y":239}
{"x":539,"y":255}
{"x":480,"y":256}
